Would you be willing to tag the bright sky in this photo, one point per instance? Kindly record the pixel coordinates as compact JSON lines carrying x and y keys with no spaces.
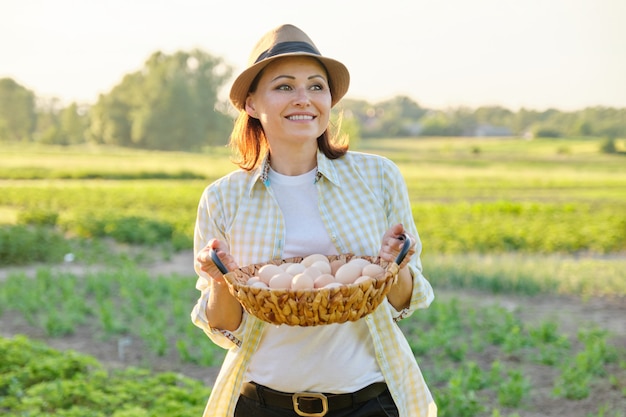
{"x":567,"y":54}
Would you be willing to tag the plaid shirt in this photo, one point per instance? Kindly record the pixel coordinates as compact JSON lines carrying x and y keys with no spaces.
{"x":360,"y":197}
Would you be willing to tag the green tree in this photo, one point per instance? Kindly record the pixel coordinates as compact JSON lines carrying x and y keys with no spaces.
{"x":73,"y":123}
{"x":439,"y":123}
{"x":48,"y":129}
{"x":60,"y":125}
{"x":396,"y":117}
{"x":17,"y":112}
{"x":110,"y":121}
{"x":169,"y":105}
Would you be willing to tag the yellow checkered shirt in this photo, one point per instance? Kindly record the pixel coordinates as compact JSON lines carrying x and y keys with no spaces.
{"x":360,"y":197}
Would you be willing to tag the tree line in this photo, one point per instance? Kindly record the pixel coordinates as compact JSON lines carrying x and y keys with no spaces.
{"x":172,"y":103}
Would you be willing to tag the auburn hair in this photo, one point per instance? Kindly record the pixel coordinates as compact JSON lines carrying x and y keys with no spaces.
{"x":249,"y":143}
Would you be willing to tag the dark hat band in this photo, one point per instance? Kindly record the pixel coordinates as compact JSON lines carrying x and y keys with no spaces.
{"x":287,"y":48}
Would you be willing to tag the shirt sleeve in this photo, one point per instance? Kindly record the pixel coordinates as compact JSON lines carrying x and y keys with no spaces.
{"x":206,"y":228}
{"x":223,"y":338}
{"x":398,"y":207}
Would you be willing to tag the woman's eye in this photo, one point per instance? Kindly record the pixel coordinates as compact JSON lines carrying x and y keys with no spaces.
{"x":283,"y":87}
{"x":317,"y":87}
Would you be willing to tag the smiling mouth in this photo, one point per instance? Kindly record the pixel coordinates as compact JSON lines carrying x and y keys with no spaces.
{"x":300,"y":117}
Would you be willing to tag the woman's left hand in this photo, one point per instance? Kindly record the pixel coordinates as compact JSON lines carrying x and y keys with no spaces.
{"x":393,"y":240}
{"x":392,"y":243}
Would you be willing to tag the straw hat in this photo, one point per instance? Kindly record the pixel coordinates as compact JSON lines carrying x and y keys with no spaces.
{"x":287,"y":40}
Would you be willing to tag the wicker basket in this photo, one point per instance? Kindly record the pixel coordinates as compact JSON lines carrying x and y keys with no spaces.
{"x":315,"y":306}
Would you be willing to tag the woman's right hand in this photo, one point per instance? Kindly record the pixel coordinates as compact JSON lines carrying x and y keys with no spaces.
{"x":206,"y":264}
{"x":223,"y":310}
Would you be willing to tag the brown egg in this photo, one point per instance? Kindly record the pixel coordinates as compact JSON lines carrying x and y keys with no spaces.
{"x":334,"y":265}
{"x":323,"y":280}
{"x":281,"y":281}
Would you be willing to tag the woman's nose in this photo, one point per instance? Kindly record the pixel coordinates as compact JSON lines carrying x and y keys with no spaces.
{"x":302,"y":97}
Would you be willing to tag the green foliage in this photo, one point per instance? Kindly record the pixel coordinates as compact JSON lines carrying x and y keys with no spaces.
{"x":397,"y":117}
{"x":519,"y":217}
{"x":505,"y":226}
{"x":575,"y":380}
{"x":38,"y":217}
{"x":122,"y":302}
{"x":168,"y":105}
{"x":546,"y":132}
{"x":37,"y":380}
{"x":513,"y":389}
{"x":58,"y":125}
{"x":448,"y":339}
{"x":20,"y":245}
{"x":172,"y":104}
{"x":461,"y":204}
{"x":608,"y":146}
{"x":125,"y":229}
{"x":440,"y":124}
{"x":17,"y":112}
{"x":462,"y":386}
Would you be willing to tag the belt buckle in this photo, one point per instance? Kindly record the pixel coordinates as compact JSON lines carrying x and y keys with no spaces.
{"x":323,"y":399}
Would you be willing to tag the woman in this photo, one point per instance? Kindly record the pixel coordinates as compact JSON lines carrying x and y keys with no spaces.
{"x":299,"y":192}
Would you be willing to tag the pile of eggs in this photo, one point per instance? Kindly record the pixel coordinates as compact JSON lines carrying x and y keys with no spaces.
{"x":316,"y":271}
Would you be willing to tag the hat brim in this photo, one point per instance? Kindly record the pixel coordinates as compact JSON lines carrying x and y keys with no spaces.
{"x":338,"y":76}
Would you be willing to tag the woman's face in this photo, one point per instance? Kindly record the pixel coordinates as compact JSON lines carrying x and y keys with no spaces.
{"x":292,"y":100}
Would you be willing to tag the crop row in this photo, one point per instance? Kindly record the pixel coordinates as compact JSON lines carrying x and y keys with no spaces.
{"x":451,"y":339}
{"x":164,"y":212}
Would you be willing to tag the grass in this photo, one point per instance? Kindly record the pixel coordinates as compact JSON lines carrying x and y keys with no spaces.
{"x":528,"y":274}
{"x":35,"y":162}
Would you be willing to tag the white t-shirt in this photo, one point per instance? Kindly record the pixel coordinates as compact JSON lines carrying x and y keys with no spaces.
{"x":333,"y":358}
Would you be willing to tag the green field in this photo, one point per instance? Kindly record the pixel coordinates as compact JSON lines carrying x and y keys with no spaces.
{"x":522,"y":218}
{"x":557,"y":200}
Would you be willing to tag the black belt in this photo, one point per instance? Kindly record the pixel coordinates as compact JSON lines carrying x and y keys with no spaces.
{"x":310,"y":403}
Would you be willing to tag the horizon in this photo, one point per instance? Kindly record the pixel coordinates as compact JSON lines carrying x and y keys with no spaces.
{"x":535,"y":55}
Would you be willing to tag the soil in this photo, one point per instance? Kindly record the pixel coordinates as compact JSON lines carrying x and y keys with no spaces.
{"x":570,"y":313}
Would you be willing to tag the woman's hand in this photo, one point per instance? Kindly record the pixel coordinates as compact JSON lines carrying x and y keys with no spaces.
{"x":223,"y":311}
{"x":393,"y":241}
{"x":206,"y":264}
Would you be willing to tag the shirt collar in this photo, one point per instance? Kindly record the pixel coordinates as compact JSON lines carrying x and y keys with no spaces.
{"x":325,"y":168}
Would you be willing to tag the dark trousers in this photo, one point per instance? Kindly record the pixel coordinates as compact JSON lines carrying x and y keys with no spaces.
{"x":381,"y":406}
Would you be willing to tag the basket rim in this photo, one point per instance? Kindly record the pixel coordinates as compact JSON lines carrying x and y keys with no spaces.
{"x":229,"y":276}
{"x":276,"y":300}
